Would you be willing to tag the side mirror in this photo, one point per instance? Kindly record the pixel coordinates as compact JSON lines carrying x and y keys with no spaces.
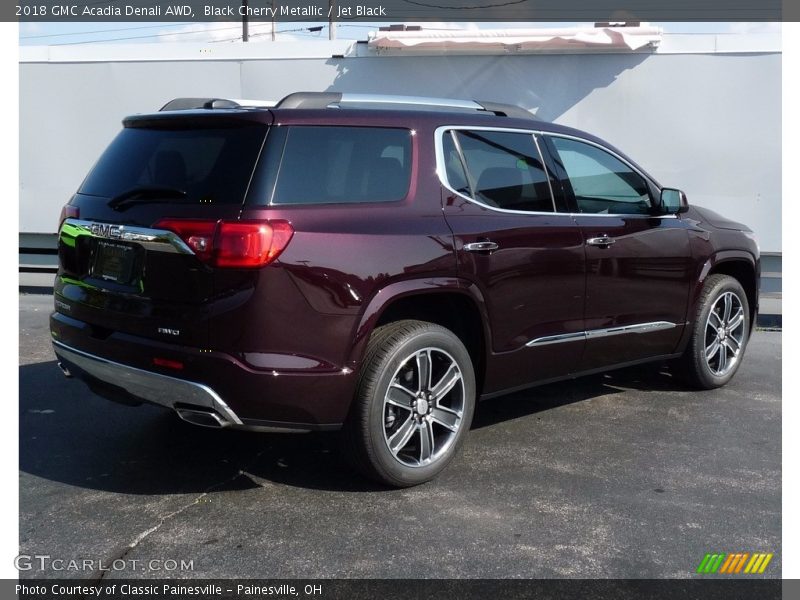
{"x":673,"y":201}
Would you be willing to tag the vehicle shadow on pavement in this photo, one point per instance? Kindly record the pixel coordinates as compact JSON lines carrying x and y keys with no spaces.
{"x":654,"y":377}
{"x":69,"y":435}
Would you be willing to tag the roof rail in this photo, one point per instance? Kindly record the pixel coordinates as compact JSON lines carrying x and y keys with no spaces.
{"x":198,"y":103}
{"x":316,"y":100}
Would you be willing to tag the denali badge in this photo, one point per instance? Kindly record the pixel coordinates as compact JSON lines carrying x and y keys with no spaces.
{"x":167,"y":331}
{"x":106,"y":230}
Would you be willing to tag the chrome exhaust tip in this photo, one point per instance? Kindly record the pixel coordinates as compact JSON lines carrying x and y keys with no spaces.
{"x":201,"y":417}
{"x":64,"y":369}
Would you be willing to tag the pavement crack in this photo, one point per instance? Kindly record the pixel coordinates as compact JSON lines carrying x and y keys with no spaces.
{"x":163,"y":519}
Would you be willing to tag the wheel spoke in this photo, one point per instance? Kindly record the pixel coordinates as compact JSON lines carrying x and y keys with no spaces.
{"x":424,"y":370}
{"x":446,"y":383}
{"x":426,"y":441}
{"x":736,"y":320}
{"x":715,"y":317}
{"x":400,"y":396}
{"x":400,"y":437}
{"x":723,"y":358}
{"x":712,"y":349}
{"x":733,"y":344}
{"x":446,"y":418}
{"x":726,"y":315}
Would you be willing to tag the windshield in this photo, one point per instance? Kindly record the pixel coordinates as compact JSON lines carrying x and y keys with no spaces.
{"x":212,"y":166}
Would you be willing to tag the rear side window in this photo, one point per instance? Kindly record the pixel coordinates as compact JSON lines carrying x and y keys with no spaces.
{"x":327,"y":165}
{"x":210,"y":165}
{"x":504,"y":170}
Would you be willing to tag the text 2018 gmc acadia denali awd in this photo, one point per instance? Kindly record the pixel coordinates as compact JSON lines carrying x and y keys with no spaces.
{"x":377,"y":264}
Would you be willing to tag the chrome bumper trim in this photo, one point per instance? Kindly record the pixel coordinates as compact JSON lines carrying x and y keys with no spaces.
{"x":153,"y":387}
{"x":157,"y":240}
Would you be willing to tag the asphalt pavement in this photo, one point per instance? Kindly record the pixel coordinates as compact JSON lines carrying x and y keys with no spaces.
{"x":627,"y":474}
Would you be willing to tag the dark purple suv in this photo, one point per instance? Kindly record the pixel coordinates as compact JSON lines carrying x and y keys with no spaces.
{"x":377,"y":264}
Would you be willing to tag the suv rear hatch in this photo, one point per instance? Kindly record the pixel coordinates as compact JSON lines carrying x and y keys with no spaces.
{"x":134,"y":250}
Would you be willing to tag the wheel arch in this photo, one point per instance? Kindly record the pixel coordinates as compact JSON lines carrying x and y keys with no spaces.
{"x":453,"y":303}
{"x":743,"y":267}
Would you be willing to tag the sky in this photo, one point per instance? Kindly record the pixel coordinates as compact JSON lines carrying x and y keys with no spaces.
{"x":98,"y":32}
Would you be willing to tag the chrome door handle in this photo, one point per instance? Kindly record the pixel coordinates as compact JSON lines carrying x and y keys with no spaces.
{"x":601,"y":240}
{"x":485,"y":246}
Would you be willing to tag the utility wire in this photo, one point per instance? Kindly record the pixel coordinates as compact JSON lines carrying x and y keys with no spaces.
{"x":156,"y":35}
{"x":478,"y":7}
{"x":302,"y":31}
{"x":97,"y":31}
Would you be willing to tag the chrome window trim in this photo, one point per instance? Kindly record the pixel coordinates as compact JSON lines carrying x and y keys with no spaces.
{"x":159,"y":240}
{"x":601,"y":333}
{"x":441,"y":170}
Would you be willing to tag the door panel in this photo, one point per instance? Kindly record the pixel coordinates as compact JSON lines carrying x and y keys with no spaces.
{"x":533,"y":285}
{"x":527,"y":260}
{"x":643,"y":277}
{"x":638,"y":265}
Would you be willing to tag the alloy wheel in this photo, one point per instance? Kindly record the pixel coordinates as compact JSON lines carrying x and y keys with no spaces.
{"x":423,"y":407}
{"x":725,"y":333}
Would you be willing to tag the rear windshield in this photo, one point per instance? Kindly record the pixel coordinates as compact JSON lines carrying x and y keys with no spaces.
{"x":211,"y":165}
{"x":326,"y":165}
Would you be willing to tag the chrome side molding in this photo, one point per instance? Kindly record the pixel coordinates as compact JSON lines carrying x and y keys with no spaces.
{"x":557,"y":339}
{"x":600,"y":333}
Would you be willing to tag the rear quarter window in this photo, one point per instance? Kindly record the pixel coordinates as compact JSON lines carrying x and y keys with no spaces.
{"x":331,"y":165}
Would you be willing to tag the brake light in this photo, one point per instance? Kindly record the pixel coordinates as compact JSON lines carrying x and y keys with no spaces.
{"x":68,"y":212}
{"x":236,"y":244}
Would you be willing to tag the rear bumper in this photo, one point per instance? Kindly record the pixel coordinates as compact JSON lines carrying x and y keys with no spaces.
{"x":213,"y":389}
{"x":155,"y":388}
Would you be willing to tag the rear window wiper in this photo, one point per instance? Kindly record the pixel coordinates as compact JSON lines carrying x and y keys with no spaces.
{"x":146,"y":194}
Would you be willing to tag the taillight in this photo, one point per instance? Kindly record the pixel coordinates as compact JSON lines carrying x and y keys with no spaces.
{"x":68,"y":212}
{"x":198,"y":234}
{"x":239,"y":244}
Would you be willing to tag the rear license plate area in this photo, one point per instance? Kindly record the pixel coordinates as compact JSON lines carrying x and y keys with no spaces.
{"x":115,"y":263}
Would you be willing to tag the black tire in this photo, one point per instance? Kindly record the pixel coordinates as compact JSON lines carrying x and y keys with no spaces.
{"x":394,"y":351}
{"x":693,"y":367}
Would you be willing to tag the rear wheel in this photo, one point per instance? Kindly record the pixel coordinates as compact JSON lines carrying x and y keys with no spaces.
{"x":720,"y":334}
{"x":413,"y":405}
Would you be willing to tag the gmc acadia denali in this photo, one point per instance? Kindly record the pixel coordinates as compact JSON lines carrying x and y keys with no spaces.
{"x":377,"y":264}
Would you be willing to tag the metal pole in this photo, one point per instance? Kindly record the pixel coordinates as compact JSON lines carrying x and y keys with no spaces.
{"x":273,"y":20}
{"x":331,"y":22}
{"x":245,"y":33}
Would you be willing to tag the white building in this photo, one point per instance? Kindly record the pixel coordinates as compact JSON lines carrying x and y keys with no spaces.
{"x":699,"y":112}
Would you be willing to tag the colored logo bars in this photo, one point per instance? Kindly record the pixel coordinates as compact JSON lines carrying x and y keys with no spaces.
{"x":735,"y":563}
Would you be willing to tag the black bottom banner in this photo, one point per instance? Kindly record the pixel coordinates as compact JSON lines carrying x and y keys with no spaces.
{"x":357,"y":589}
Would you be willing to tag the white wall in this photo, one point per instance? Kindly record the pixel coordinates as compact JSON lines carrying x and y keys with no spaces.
{"x":708,"y":123}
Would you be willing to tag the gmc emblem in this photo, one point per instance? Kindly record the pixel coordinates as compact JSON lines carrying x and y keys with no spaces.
{"x":107,"y":231}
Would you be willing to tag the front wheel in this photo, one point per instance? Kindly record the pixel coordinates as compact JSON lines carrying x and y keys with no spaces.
{"x":719,"y":336}
{"x":413,"y":405}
